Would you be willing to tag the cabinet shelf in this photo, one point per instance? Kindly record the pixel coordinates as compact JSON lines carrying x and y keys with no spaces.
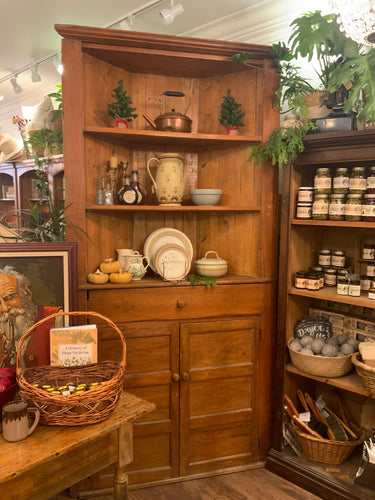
{"x":330,"y":294}
{"x":351,"y":382}
{"x":164,"y":208}
{"x":155,"y":137}
{"x":332,"y":223}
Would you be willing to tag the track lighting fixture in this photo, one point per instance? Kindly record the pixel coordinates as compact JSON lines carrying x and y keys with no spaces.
{"x":127,"y":23}
{"x":16,"y":86}
{"x":35,"y":76}
{"x":168,"y":15}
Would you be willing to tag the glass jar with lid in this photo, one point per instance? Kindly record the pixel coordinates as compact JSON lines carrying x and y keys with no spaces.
{"x":354,"y":286}
{"x":338,"y":259}
{"x":304,"y":211}
{"x":368,"y":208}
{"x":371,"y":181}
{"x":324,"y":259}
{"x":336,"y":209}
{"x":312,"y":281}
{"x":342,"y":285}
{"x":368,"y":251}
{"x":305,"y":194}
{"x":365,"y":283}
{"x":300,"y":279}
{"x":358,"y":180}
{"x":330,"y":277}
{"x":319,"y":271}
{"x":320,"y":206}
{"x":353,"y":207}
{"x":341,"y":180}
{"x":322,"y":180}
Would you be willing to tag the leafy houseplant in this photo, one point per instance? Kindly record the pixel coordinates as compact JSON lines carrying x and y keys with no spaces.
{"x":230,"y":113}
{"x":57,"y":115}
{"x":121,"y":110}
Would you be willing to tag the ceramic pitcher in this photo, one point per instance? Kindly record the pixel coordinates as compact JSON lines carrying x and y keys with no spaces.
{"x":136,"y":267}
{"x":16,"y":420}
{"x":123,"y":255}
{"x":169,"y":178}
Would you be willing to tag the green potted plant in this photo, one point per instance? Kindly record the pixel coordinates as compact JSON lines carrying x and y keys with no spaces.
{"x":57,"y":113}
{"x":231,"y":116}
{"x":121,"y":110}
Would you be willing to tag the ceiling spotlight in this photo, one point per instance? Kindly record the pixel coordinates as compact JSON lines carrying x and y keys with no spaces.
{"x":35,"y":76}
{"x":1,"y":97}
{"x":168,"y":15}
{"x":16,"y":86}
{"x":58,"y":64}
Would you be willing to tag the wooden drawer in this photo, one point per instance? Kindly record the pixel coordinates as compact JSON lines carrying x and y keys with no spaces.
{"x":124,"y":305}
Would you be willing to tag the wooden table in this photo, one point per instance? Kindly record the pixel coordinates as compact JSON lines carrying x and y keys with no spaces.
{"x":54,"y":458}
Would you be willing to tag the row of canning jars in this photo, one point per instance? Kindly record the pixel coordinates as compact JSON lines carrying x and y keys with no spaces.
{"x":352,"y":197}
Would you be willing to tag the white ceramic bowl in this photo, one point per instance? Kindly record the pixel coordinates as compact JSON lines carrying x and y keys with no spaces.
{"x":214,"y":268}
{"x":205,"y":196}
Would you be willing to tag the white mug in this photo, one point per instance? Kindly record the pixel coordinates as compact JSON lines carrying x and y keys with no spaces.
{"x":16,"y":420}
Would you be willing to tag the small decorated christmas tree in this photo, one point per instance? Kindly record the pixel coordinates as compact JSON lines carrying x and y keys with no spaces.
{"x":231,"y":115}
{"x":122,"y":109}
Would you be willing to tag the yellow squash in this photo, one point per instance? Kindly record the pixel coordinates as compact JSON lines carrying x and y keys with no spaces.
{"x":110,"y":266}
{"x":120,"y":277}
{"x":97,"y":278}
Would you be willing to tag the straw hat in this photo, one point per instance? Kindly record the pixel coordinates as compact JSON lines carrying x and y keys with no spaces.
{"x":9,"y":149}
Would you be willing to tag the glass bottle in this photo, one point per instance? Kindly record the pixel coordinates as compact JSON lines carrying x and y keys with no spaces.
{"x":371,"y":181}
{"x":368,"y":208}
{"x":322,"y":180}
{"x":341,"y":181}
{"x":353,"y":208}
{"x":336,"y":209}
{"x":358,"y":181}
{"x":320,"y":207}
{"x":127,"y":194}
{"x":135,"y":184}
{"x":100,"y":199}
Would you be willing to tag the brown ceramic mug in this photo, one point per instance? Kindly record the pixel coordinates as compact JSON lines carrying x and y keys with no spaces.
{"x":16,"y":420}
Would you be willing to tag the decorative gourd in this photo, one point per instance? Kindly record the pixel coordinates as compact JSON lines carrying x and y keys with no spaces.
{"x":120,"y":277}
{"x":97,"y":278}
{"x":110,"y":266}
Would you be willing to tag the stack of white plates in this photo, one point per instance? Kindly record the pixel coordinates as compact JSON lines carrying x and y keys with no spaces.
{"x":170,"y":253}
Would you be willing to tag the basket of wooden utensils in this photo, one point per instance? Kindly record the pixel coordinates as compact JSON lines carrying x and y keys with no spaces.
{"x":324,"y":436}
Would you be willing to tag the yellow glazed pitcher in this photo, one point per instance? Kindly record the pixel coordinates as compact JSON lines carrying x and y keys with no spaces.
{"x":169,"y":178}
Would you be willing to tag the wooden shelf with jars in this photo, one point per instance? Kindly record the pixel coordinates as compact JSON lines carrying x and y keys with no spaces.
{"x":185,"y":344}
{"x":301,"y":242}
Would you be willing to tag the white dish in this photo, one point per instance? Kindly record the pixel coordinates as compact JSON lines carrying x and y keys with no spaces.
{"x":166,"y":236}
{"x":172,"y":262}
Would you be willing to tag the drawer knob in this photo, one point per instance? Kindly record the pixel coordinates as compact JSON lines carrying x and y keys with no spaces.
{"x":185,"y":376}
{"x":181,"y":304}
{"x":175,"y":377}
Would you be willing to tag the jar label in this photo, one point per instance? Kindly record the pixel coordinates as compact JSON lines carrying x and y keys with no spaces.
{"x":340,"y":182}
{"x":354,"y":290}
{"x":304,"y":212}
{"x":370,"y":182}
{"x":368,"y":253}
{"x":322,"y":182}
{"x":358,"y":183}
{"x":342,"y":288}
{"x":365,"y":284}
{"x":336,"y":209}
{"x":370,"y":270}
{"x":324,"y":260}
{"x":320,"y":207}
{"x":129,"y":196}
{"x":300,"y":283}
{"x":351,"y":209}
{"x":330,"y":280}
{"x":305,"y":196}
{"x":338,"y":261}
{"x":312,"y":284}
{"x":368,"y":210}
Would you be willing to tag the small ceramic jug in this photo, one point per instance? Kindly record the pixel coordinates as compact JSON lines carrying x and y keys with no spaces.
{"x":169,"y":178}
{"x":16,"y":420}
{"x":123,"y":255}
{"x":136,"y":267}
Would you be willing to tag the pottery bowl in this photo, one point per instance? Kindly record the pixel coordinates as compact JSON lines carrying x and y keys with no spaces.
{"x":205,"y":196}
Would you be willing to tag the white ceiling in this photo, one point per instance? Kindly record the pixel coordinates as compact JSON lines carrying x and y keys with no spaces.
{"x":27,"y":33}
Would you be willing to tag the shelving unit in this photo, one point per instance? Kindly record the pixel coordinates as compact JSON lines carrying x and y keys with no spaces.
{"x":301,"y":241}
{"x":186,"y":346}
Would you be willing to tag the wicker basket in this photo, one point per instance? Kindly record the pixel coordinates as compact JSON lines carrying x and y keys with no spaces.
{"x":327,"y":451}
{"x":88,"y":407}
{"x":366,"y":372}
{"x":321,"y":366}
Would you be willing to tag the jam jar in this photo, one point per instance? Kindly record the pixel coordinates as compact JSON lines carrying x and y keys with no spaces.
{"x":353,"y":207}
{"x":319,"y":271}
{"x":354,"y":286}
{"x":336,"y":209}
{"x":341,"y":181}
{"x":305,"y":195}
{"x":324,"y":259}
{"x":358,"y":181}
{"x":322,"y":180}
{"x":342,"y":286}
{"x":371,"y":181}
{"x":368,"y":252}
{"x":368,"y":208}
{"x":300,"y":279}
{"x":320,"y":207}
{"x":338,"y":259}
{"x":312,"y":281}
{"x":330,"y":277}
{"x":304,"y":211}
{"x":365,"y":283}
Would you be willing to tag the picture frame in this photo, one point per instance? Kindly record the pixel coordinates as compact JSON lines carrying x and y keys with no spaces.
{"x":45,"y":273}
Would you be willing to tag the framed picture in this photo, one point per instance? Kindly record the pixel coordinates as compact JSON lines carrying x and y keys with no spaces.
{"x":36,"y":280}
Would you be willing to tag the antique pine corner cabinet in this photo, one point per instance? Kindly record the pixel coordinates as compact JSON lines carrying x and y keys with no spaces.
{"x":203,"y":355}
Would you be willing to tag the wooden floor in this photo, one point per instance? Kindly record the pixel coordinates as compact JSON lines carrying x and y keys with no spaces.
{"x":256,"y":484}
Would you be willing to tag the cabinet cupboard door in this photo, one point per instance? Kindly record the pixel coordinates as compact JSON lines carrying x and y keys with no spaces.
{"x":216,"y":394}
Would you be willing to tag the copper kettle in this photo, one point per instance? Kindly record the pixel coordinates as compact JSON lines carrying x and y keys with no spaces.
{"x":171,"y":121}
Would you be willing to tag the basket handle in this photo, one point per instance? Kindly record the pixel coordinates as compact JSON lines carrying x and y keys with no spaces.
{"x":28,"y":333}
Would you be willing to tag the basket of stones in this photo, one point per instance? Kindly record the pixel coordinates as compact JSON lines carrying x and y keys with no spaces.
{"x":327,"y":356}
{"x":73,"y":395}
